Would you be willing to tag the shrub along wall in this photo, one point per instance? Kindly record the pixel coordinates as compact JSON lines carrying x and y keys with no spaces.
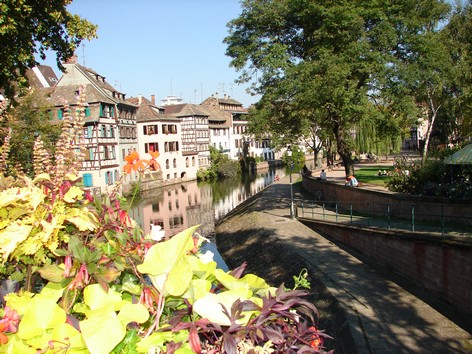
{"x":453,"y":212}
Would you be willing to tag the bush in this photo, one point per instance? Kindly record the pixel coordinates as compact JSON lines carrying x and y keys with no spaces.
{"x":430,"y":178}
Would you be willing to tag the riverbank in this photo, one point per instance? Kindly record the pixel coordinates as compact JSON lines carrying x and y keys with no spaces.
{"x":364,"y":310}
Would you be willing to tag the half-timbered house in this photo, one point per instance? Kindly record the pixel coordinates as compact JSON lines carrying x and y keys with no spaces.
{"x":109,"y":128}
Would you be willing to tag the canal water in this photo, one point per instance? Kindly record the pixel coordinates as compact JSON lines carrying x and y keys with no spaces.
{"x":174,"y":208}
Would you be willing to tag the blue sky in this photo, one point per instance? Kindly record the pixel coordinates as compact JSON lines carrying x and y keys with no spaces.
{"x":161,"y":47}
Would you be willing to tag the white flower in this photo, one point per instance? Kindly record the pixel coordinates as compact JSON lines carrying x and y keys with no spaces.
{"x":206,"y":257}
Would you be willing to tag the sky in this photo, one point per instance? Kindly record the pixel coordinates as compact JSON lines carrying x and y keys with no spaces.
{"x":161,"y":47}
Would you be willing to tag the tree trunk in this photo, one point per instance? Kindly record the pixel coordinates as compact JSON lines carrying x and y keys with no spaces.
{"x":432,"y":114}
{"x":344,"y":149}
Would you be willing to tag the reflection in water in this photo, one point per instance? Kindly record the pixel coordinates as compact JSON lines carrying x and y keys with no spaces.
{"x":180,"y":206}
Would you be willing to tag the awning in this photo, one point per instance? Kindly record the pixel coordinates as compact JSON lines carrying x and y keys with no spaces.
{"x":461,"y":157}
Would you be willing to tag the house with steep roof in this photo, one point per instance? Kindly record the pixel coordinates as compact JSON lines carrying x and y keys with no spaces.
{"x":219,"y":124}
{"x":195,"y":131}
{"x":240,"y":141}
{"x":110,"y":123}
{"x":159,"y":131}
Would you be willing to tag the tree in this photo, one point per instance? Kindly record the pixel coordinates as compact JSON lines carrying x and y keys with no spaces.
{"x":458,"y":39}
{"x":28,"y":120}
{"x":325,"y":64}
{"x":30,"y":27}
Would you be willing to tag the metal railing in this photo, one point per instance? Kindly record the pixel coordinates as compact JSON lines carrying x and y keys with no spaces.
{"x":388,"y":216}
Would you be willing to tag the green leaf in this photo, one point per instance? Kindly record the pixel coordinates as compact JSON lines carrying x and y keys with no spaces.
{"x":109,"y":274}
{"x":82,"y":218}
{"x":230,"y":282}
{"x":52,"y":291}
{"x":73,"y":194}
{"x":52,"y":273}
{"x":42,"y":313}
{"x":95,"y":297}
{"x":198,"y":288}
{"x":102,"y":330}
{"x":200,"y":269}
{"x":11,"y":237}
{"x":19,"y":302}
{"x":133,"y":313}
{"x":159,"y":340}
{"x":210,"y":306}
{"x":66,"y":333}
{"x":167,"y":263}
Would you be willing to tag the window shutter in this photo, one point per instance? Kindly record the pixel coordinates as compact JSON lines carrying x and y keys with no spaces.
{"x":101,"y":110}
{"x":59,"y":114}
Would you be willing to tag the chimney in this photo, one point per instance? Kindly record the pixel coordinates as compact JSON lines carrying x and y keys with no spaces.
{"x":72,"y":60}
{"x":140,"y":99}
{"x":153,"y":100}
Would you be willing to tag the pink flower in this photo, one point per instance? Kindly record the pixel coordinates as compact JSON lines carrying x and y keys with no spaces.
{"x":10,"y":320}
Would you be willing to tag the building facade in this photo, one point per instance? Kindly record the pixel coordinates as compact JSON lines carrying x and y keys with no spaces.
{"x":158,"y":131}
{"x":109,"y":128}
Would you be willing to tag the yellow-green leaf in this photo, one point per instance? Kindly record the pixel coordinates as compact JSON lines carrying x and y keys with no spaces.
{"x":167,"y":263}
{"x":133,"y":313}
{"x":211,"y":305}
{"x":65,"y":333}
{"x":73,"y":194}
{"x":102,"y":331}
{"x":95,"y":297}
{"x":42,"y":313}
{"x":11,"y":237}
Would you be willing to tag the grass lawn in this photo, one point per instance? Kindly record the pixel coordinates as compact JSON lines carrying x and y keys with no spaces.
{"x":370,"y":174}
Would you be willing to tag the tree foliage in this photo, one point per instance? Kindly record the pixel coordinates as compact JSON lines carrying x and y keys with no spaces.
{"x":330,"y":64}
{"x":458,"y":39}
{"x":30,"y":27}
{"x":30,"y":119}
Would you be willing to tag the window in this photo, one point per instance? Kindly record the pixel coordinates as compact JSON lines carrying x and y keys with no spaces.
{"x":193,"y":161}
{"x":150,"y":129}
{"x":107,"y":110}
{"x":88,"y":132}
{"x":167,"y":164}
{"x":174,"y":163}
{"x":89,"y":154}
{"x":151,"y":147}
{"x":187,"y":164}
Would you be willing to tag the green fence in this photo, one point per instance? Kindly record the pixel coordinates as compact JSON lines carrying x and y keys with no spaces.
{"x":387,"y":216}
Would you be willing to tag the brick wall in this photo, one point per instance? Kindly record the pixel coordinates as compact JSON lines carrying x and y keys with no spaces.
{"x":376,"y":202}
{"x":442,"y":265}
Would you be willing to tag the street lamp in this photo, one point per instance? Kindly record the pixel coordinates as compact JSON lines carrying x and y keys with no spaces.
{"x":292,"y":209}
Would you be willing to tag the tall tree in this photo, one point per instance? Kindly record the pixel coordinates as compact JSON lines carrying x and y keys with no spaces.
{"x":30,"y":27}
{"x":458,"y":40}
{"x":325,"y":61}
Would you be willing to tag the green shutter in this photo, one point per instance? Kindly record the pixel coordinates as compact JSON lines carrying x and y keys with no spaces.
{"x":87,"y":111}
{"x":101,"y":110}
{"x":59,"y":114}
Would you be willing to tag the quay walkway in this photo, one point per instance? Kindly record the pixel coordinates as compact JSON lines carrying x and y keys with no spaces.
{"x":382,"y":316}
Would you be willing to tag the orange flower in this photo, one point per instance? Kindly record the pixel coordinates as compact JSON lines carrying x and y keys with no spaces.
{"x":153,"y":164}
{"x":316,"y":341}
{"x":3,"y":337}
{"x":134,"y":163}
